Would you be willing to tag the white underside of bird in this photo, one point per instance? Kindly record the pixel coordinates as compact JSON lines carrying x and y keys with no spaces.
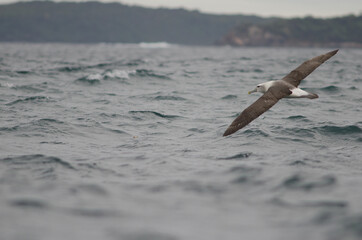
{"x":296,"y":92}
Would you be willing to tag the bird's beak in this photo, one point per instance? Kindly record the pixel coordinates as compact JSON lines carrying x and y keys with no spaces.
{"x":254,"y":90}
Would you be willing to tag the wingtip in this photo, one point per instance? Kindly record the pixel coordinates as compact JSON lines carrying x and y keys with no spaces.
{"x":334,"y":52}
{"x":328,"y":55}
{"x":228,"y":132}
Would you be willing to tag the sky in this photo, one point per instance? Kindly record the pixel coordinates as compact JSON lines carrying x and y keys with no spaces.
{"x":265,"y":8}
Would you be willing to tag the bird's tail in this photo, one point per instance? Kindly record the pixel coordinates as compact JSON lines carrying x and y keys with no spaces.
{"x":312,"y":96}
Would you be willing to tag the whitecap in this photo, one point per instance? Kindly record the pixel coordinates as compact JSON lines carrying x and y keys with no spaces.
{"x":96,"y":76}
{"x":120,"y":74}
{"x":155,"y":45}
{"x":8,"y":85}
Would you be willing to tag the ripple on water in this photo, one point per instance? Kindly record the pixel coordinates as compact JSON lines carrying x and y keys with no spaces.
{"x":300,"y":118}
{"x":320,"y":204}
{"x":169,"y":98}
{"x":238,"y":156}
{"x":353,"y":225}
{"x":91,"y":80}
{"x":35,"y":166}
{"x":200,"y":187}
{"x":146,"y":73}
{"x":141,"y":115}
{"x":32,"y":99}
{"x":331,"y":89}
{"x":230,"y":96}
{"x":197,"y":130}
{"x":143,"y":235}
{"x":28,"y":203}
{"x":31,"y":88}
{"x":298,"y":132}
{"x":338,"y":130}
{"x":245,"y":174}
{"x":302,"y":182}
{"x":94,"y":212}
{"x":109,"y":74}
{"x":92,"y":189}
{"x":114,"y":74}
{"x":70,"y":69}
{"x":35,"y":159}
{"x":39,"y":127}
{"x":256,"y":132}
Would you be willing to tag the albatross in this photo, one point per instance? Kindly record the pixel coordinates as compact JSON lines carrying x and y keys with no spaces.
{"x":278,"y":89}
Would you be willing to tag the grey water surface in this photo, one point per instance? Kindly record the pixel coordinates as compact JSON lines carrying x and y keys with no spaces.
{"x":117,"y":141}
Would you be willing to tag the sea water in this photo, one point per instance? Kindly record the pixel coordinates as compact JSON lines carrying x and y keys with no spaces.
{"x":122,"y":141}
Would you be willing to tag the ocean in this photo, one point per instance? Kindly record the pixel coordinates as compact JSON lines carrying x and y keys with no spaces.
{"x":124,"y":142}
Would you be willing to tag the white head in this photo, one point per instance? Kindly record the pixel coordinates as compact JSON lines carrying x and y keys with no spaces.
{"x":262,"y":87}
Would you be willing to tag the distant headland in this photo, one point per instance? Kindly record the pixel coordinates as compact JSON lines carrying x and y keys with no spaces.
{"x":94,"y":22}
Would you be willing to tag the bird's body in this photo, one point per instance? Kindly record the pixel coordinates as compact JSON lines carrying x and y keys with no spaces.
{"x":295,"y":91}
{"x":276,"y":90}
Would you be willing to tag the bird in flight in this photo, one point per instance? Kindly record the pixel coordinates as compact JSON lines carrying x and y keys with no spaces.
{"x":276,"y":90}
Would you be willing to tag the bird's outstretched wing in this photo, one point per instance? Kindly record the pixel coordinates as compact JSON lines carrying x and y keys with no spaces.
{"x":271,"y":97}
{"x":301,"y":72}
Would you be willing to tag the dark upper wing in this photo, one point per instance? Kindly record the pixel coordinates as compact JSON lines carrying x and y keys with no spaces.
{"x":271,"y":97}
{"x":298,"y":74}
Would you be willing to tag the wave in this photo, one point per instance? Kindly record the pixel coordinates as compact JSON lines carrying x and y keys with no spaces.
{"x":298,"y":117}
{"x":230,"y":96}
{"x":117,"y":74}
{"x":241,"y":70}
{"x":352,"y":224}
{"x":32,"y":99}
{"x":301,"y":182}
{"x":153,"y":113}
{"x":36,"y":159}
{"x":27,"y":88}
{"x":77,"y":68}
{"x":94,"y":212}
{"x":40,"y":127}
{"x":28,"y":203}
{"x":297,"y":132}
{"x":8,"y":85}
{"x":198,"y":187}
{"x":171,"y":98}
{"x":310,"y":132}
{"x":33,"y":88}
{"x":246,"y":174}
{"x":256,"y":132}
{"x":23,"y":72}
{"x":36,"y":167}
{"x":93,"y":79}
{"x":326,"y":204}
{"x":97,"y":78}
{"x":197,"y":130}
{"x":71,"y":69}
{"x":134,"y":62}
{"x":127,"y":63}
{"x":155,"y":45}
{"x":339,"y":130}
{"x":330,"y":88}
{"x":237,"y":156}
{"x":150,"y":73}
{"x":145,"y":235}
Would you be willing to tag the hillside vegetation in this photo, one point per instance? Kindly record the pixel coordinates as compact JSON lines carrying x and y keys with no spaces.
{"x":111,"y":22}
{"x":93,"y":22}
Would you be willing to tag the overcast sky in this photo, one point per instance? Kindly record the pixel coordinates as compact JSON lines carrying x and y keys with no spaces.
{"x":284,"y":8}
